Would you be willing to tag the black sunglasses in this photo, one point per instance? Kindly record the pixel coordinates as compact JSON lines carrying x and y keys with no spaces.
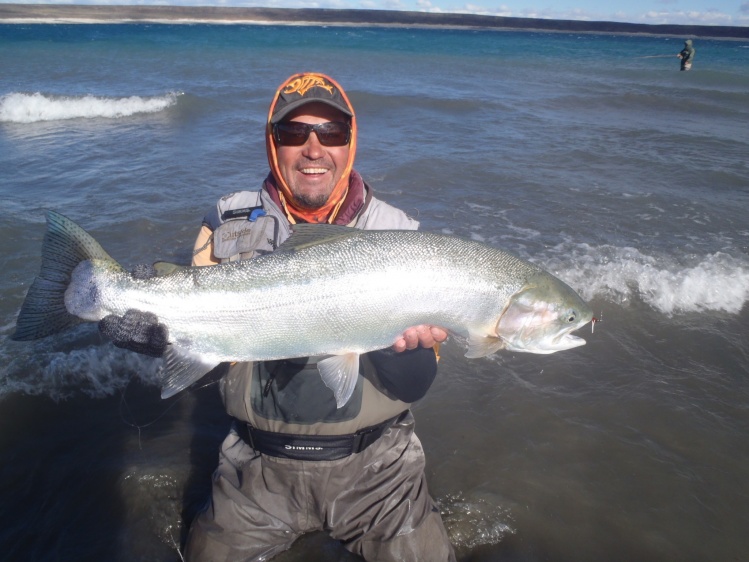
{"x":293,"y":133}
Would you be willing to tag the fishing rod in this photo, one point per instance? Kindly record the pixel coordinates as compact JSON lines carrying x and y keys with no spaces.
{"x":656,"y":56}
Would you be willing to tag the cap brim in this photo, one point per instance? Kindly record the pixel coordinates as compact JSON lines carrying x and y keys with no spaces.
{"x":278,"y":116}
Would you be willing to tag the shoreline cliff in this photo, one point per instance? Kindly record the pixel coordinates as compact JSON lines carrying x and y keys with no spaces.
{"x":59,"y":13}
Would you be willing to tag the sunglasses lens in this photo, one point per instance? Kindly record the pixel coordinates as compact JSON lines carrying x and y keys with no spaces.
{"x":291,"y":134}
{"x":333,"y":133}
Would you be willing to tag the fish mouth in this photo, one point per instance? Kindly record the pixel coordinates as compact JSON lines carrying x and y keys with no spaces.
{"x":532,"y":343}
{"x":552,"y":344}
{"x":567,"y":341}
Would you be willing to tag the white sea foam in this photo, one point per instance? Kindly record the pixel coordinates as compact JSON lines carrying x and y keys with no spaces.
{"x":94,"y":371}
{"x":474,"y":521}
{"x":20,"y":107}
{"x":713,"y":282}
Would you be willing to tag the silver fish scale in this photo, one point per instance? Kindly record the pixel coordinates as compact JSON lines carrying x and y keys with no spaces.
{"x":356,"y":293}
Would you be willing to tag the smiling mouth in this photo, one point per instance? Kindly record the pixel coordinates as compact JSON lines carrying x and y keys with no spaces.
{"x":313,"y":171}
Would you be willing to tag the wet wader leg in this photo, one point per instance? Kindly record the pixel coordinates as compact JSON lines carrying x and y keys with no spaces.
{"x":382,"y":510}
{"x":428,"y":543}
{"x":252,"y":515}
{"x":375,"y":502}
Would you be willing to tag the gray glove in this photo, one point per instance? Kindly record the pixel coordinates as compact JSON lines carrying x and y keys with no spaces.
{"x":137,"y":331}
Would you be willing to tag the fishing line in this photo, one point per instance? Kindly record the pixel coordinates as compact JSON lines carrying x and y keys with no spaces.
{"x":124,"y":405}
{"x":175,"y":544}
{"x":167,"y":524}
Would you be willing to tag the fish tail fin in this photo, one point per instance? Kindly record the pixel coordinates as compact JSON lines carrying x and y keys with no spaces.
{"x":65,"y":245}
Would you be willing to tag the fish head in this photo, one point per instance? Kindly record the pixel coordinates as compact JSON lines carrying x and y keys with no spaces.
{"x":540,"y":317}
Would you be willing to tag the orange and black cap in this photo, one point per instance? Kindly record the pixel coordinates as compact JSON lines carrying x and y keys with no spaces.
{"x":307,"y":87}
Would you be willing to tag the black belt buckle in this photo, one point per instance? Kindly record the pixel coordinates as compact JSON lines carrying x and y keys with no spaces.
{"x":365,"y":437}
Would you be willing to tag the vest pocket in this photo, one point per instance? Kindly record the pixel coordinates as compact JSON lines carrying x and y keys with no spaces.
{"x":243,"y":238}
{"x":293,"y":392}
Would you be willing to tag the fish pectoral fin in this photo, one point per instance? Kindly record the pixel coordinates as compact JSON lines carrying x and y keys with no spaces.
{"x":181,"y":369}
{"x":339,"y":373}
{"x":481,"y":346}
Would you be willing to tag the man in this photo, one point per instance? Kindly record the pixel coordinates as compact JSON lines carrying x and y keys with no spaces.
{"x":687,"y":55}
{"x":294,"y":462}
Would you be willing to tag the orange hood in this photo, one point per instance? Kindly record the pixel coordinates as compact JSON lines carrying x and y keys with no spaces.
{"x":295,"y":92}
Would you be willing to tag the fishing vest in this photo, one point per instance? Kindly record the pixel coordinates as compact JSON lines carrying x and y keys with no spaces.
{"x":288,"y":396}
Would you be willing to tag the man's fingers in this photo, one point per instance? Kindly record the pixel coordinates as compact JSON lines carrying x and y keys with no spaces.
{"x":420,"y":336}
{"x":439,"y":334}
{"x":399,"y":345}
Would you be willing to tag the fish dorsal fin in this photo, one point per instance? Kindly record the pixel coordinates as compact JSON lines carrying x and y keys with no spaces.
{"x":163,"y":268}
{"x":308,"y":235}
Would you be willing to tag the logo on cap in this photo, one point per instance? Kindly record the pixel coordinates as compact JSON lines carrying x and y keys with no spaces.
{"x":305,"y":83}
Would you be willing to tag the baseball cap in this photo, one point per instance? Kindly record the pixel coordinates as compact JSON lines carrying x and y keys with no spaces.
{"x":307,"y":87}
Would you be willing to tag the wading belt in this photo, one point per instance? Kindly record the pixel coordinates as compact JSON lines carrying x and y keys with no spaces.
{"x":313,"y":447}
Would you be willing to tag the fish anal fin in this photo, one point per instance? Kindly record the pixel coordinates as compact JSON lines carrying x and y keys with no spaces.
{"x":181,"y":369}
{"x":339,"y":373}
{"x":481,"y":346}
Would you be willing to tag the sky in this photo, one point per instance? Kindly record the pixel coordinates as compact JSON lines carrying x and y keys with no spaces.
{"x":680,"y":12}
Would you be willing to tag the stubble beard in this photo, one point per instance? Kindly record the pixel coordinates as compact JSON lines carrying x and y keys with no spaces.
{"x":311,"y":201}
{"x":315,"y":200}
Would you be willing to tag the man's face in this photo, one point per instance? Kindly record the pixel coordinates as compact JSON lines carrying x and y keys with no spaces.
{"x":312,"y":170}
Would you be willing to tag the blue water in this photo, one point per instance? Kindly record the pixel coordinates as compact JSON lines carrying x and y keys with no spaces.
{"x":591,"y":155}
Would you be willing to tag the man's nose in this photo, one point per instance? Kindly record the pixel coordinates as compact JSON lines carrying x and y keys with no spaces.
{"x":313,"y":149}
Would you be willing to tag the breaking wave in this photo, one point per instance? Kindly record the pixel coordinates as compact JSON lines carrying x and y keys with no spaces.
{"x":713,"y":282}
{"x":30,"y":108}
{"x":50,"y":368}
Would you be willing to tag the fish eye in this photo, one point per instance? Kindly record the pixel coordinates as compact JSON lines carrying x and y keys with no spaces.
{"x":571,"y":316}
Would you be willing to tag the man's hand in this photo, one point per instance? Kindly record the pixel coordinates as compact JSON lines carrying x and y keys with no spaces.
{"x":423,"y":335}
{"x":137,"y":331}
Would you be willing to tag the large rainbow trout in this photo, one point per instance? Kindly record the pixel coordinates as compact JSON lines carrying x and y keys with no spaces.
{"x":327,"y":290}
